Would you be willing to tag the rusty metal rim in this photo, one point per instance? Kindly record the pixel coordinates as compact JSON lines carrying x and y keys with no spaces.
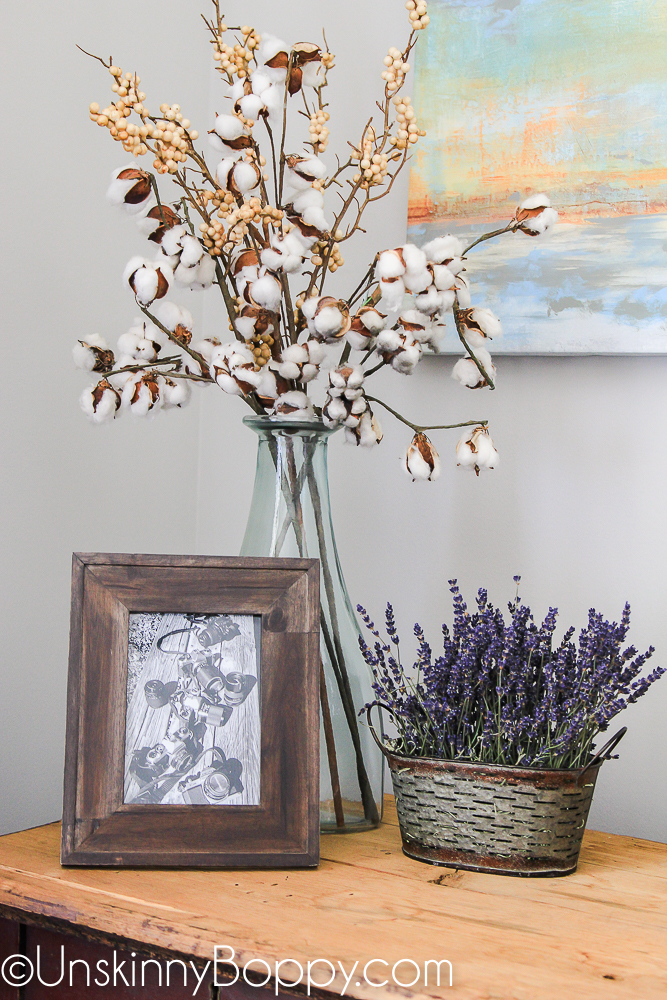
{"x":513,"y":873}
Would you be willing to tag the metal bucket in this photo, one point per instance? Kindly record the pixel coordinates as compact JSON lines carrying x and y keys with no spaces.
{"x":491,"y":817}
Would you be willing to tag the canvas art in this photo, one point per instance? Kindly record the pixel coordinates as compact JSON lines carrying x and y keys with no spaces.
{"x":192,"y":734}
{"x":566,"y":97}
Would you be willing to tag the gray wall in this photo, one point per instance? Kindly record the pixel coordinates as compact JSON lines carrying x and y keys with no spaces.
{"x":576,"y":506}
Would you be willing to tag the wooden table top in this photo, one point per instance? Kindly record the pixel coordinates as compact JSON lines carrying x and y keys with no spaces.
{"x":600,"y":933}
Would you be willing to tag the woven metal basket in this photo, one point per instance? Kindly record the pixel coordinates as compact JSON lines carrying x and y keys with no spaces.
{"x":491,"y":817}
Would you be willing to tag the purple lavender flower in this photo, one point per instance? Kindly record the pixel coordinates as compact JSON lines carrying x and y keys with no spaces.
{"x":501,"y":692}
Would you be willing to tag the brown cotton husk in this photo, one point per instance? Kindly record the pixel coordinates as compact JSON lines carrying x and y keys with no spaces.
{"x":295,"y":80}
{"x":296,"y":220}
{"x":279,"y":61}
{"x":182,"y":334}
{"x":465,"y":316}
{"x":243,"y":141}
{"x":139,"y":191}
{"x":162,"y":285}
{"x":247,"y":258}
{"x":295,"y":163}
{"x":99,"y":391}
{"x":306,"y":52}
{"x":167,"y":219}
{"x":104,"y":358}
{"x":150,"y":381}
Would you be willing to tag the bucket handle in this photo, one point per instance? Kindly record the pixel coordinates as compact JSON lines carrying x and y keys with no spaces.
{"x":369,"y":708}
{"x":605,"y":752}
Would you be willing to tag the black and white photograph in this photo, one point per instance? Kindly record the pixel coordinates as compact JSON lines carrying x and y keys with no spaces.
{"x":192,"y":732}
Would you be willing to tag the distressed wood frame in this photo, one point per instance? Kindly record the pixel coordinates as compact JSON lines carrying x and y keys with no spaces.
{"x":98,"y":828}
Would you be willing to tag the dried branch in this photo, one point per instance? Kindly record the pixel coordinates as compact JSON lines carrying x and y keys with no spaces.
{"x":420,"y":428}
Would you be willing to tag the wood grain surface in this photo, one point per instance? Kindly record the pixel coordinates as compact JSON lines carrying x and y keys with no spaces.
{"x":600,"y":934}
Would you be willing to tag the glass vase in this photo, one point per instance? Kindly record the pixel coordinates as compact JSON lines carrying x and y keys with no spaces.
{"x":290,"y":516}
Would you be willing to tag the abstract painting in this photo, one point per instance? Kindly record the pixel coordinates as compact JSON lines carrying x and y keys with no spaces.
{"x":566,"y":97}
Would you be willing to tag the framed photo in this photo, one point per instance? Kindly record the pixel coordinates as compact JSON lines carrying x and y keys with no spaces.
{"x":566,"y":98}
{"x":193,"y":712}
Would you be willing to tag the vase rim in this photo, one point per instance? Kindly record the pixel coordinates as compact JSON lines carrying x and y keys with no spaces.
{"x":261,"y":422}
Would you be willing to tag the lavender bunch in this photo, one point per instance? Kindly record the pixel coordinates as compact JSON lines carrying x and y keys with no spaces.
{"x":501,"y":692}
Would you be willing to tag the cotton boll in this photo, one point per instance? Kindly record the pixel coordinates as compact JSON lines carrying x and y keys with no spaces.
{"x":392,"y":294}
{"x":245,"y":176}
{"x":205,"y":347}
{"x":422,"y":460}
{"x":92,"y":354}
{"x":293,"y":405}
{"x":222,"y":172}
{"x":535,"y":215}
{"x":309,"y":307}
{"x":312,"y":198}
{"x":535,"y":201}
{"x":260,"y":81}
{"x":487,"y":322}
{"x":130,"y":188}
{"x":199,"y":277}
{"x":192,"y":251}
{"x":314,"y":74}
{"x":228,"y":384}
{"x":416,"y":324}
{"x":542,"y":223}
{"x":447,"y":299}
{"x":316,"y":353}
{"x":302,"y":171}
{"x":83,"y":357}
{"x":417,"y":281}
{"x":273,"y":101}
{"x":389,"y":265}
{"x":296,"y":352}
{"x":407,"y":360}
{"x":436,"y":335}
{"x":443,"y":248}
{"x":289,"y":370}
{"x":171,"y":241}
{"x":175,"y":393}
{"x":316,"y":218}
{"x":429,"y":301}
{"x":334,"y":412}
{"x":100,"y":402}
{"x":236,"y":91}
{"x":468,"y":374}
{"x":443,"y":278}
{"x":463,"y":293}
{"x":273,"y":56}
{"x":368,"y":433}
{"x":373,"y":320}
{"x":266,"y":292}
{"x":246,"y":326}
{"x":134,"y":344}
{"x":268,"y":385}
{"x":141,"y":395}
{"x":216,"y":143}
{"x":147,"y":280}
{"x":251,"y":105}
{"x":414,"y":259}
{"x":388,"y":341}
{"x":476,"y":451}
{"x":456,"y":265}
{"x":328,"y":322}
{"x":229,"y":127}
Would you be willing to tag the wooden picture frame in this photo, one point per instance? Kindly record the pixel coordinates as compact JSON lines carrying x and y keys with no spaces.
{"x":99,"y":826}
